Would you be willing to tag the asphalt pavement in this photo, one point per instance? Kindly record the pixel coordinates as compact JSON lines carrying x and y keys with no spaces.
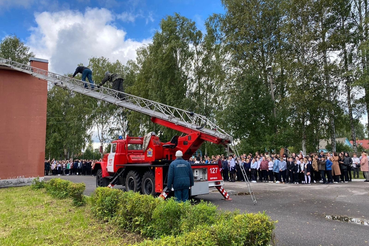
{"x":301,"y":210}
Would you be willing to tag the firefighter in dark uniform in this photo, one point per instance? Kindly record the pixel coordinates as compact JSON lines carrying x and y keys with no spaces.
{"x":117,"y":81}
{"x":180,"y":175}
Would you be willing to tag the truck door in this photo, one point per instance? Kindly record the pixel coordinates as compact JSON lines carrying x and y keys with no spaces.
{"x":111,"y":157}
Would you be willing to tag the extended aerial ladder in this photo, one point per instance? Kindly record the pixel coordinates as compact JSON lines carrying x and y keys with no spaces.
{"x":157,"y":111}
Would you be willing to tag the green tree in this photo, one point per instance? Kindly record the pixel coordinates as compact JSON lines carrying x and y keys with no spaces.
{"x":164,"y":69}
{"x":255,"y":46}
{"x":13,"y":49}
{"x":104,"y":114}
{"x":68,"y":123}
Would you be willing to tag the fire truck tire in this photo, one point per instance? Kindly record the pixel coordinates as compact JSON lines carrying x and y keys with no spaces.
{"x":100,"y":181}
{"x":133,"y":181}
{"x":148,"y":184}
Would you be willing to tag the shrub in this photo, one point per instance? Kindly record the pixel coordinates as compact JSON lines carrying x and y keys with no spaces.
{"x":62,"y":189}
{"x":105,"y":201}
{"x":244,"y":229}
{"x":166,"y":218}
{"x":199,"y":237}
{"x":37,"y":184}
{"x":76,"y":193}
{"x":180,"y":223}
{"x":135,"y":212}
{"x":201,"y":214}
{"x":58,"y":188}
{"x":230,"y":229}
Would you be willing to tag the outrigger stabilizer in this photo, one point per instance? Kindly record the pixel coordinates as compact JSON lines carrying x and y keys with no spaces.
{"x":164,"y":195}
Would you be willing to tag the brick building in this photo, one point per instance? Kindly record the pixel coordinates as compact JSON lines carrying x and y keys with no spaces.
{"x":23,"y":100}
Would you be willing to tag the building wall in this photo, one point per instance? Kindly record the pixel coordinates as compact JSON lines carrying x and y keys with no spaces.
{"x":23,"y":100}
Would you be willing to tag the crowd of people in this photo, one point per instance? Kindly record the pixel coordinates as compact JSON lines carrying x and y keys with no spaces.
{"x":326,"y":168}
{"x":68,"y":167}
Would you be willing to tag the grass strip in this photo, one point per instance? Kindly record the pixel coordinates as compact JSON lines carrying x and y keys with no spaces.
{"x":32,"y":217}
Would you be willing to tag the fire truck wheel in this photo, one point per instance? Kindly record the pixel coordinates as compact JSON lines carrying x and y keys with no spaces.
{"x":100,"y":181}
{"x":133,"y":181}
{"x":148,"y":184}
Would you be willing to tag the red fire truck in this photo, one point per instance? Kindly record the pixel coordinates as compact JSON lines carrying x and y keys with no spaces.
{"x":141,"y":163}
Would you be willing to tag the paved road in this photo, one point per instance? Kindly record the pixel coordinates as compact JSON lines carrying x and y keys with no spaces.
{"x":299,"y":209}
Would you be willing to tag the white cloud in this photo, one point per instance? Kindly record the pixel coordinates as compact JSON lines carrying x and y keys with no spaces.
{"x":128,"y":17}
{"x":67,"y":38}
{"x":150,"y":18}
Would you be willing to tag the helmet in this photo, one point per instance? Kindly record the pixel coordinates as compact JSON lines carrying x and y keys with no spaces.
{"x":179,"y":153}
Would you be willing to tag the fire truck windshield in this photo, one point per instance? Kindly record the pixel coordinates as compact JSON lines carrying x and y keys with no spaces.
{"x":134,"y":146}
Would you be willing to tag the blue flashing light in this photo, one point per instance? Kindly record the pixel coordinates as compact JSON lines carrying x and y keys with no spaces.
{"x":120,"y":137}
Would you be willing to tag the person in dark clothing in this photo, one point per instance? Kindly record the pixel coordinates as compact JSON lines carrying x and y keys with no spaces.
{"x":117,"y":81}
{"x":296,"y":172}
{"x":238,"y":169}
{"x":345,"y":167}
{"x":247,"y":167}
{"x":86,"y":72}
{"x":180,"y":176}
{"x":225,"y":169}
{"x":84,"y":167}
{"x":321,"y":167}
{"x":89,"y":166}
{"x":75,"y":167}
{"x":47,"y":167}
{"x":290,"y":167}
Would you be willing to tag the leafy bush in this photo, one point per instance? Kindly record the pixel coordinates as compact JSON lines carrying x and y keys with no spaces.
{"x":135,"y":212}
{"x":58,"y":188}
{"x":62,"y":189}
{"x":166,"y":218}
{"x":199,"y":237}
{"x":201,"y":214}
{"x":37,"y":184}
{"x":76,"y":193}
{"x":242,"y":229}
{"x":180,"y":223}
{"x":105,"y":201}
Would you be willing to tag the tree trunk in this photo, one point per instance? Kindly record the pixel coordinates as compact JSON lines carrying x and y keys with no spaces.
{"x":348,"y":89}
{"x":333,"y":131}
{"x":303,"y":136}
{"x":330,"y":98}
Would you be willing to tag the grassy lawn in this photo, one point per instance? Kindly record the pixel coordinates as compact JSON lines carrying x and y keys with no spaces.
{"x":32,"y":217}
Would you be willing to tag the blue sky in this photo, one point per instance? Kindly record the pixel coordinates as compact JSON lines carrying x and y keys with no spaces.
{"x":70,"y":32}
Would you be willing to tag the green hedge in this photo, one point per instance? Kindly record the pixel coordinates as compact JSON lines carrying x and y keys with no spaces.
{"x":173,"y":223}
{"x":242,"y":229}
{"x":105,"y":202}
{"x":62,"y":189}
{"x":135,"y":212}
